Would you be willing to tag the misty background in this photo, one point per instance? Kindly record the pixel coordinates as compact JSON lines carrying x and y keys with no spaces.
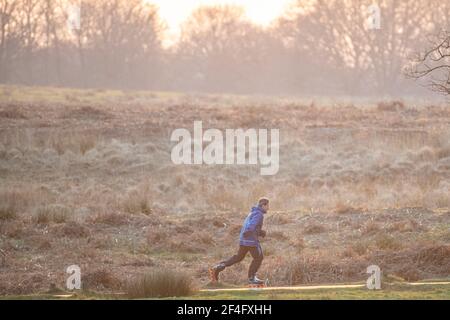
{"x":315,"y":47}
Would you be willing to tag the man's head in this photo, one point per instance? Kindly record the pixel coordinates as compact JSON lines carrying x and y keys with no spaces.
{"x":263,"y":203}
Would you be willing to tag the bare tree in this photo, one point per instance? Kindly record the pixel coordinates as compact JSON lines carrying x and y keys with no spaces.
{"x":54,"y":22}
{"x":119,"y":42}
{"x":334,"y":36}
{"x":9,"y":38}
{"x":29,"y":20}
{"x":220,"y":49}
{"x":317,"y":47}
{"x":433,"y":65}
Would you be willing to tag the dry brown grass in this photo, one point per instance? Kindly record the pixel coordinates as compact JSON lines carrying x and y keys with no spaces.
{"x":314,"y":228}
{"x":391,"y":106}
{"x":278,"y":219}
{"x":156,"y":236}
{"x":101,"y":279}
{"x":76,"y":142}
{"x":345,"y":208}
{"x":306,"y":269}
{"x":416,"y":262}
{"x":86,"y":113}
{"x":409,"y":225}
{"x":12,"y":202}
{"x":2,"y":258}
{"x":12,"y":111}
{"x":52,"y":213}
{"x":138,"y":201}
{"x":278,"y":235}
{"x":72,"y":229}
{"x":112,"y":219}
{"x":387,"y":242}
{"x":371,"y":228}
{"x":112,"y":167}
{"x":159,"y":284}
{"x":360,"y":248}
{"x":8,"y":211}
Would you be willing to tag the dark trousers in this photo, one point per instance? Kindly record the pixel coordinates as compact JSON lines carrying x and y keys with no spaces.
{"x":256,"y":253}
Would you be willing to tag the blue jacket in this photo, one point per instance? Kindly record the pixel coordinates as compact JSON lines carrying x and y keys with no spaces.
{"x":252,"y":228}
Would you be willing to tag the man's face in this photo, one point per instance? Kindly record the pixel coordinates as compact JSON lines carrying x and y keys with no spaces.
{"x":265,"y":207}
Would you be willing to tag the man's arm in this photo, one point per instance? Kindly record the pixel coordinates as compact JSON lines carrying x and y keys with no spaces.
{"x":255,"y":224}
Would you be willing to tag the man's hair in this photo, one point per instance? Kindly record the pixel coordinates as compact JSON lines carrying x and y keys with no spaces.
{"x":263,"y":201}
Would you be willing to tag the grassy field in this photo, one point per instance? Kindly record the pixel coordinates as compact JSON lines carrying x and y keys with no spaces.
{"x":435,"y":292}
{"x":86,"y":178}
{"x":389,"y":292}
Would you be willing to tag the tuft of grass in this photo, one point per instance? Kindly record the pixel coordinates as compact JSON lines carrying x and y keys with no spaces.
{"x":156,"y":236}
{"x":360,"y":248}
{"x":7,"y":212}
{"x":111,"y":218}
{"x":371,"y":228}
{"x":387,"y":242}
{"x":345,"y":208}
{"x":160,"y":284}
{"x":101,"y":279}
{"x":314,"y":229}
{"x":137,"y":202}
{"x":391,"y":106}
{"x":73,"y":229}
{"x":52,"y":213}
{"x":10,"y":203}
{"x":77,"y":142}
{"x":12,"y":112}
{"x":299,"y":243}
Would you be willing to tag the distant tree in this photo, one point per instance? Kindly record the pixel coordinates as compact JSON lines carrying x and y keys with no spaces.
{"x":334,"y":36}
{"x":54,"y":23}
{"x":220,"y":49}
{"x":119,"y":43}
{"x":9,"y":38}
{"x":29,"y":22}
{"x":433,"y":65}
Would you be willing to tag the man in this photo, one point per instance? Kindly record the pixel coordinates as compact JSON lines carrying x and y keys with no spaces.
{"x":248,"y":242}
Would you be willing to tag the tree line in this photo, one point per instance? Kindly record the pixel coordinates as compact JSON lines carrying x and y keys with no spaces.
{"x":315,"y":47}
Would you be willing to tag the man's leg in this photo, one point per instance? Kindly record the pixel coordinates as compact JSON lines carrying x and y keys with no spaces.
{"x":237,"y":257}
{"x":214,"y":272}
{"x":258,"y":257}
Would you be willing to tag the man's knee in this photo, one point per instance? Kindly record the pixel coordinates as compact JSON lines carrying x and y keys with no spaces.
{"x":240,"y":257}
{"x":258,"y":257}
{"x":234,"y":259}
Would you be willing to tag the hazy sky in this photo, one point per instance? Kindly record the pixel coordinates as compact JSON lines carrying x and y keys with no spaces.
{"x":174,"y":12}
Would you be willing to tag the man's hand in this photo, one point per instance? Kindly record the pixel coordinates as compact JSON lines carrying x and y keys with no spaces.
{"x":262,"y":233}
{"x":247,"y":233}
